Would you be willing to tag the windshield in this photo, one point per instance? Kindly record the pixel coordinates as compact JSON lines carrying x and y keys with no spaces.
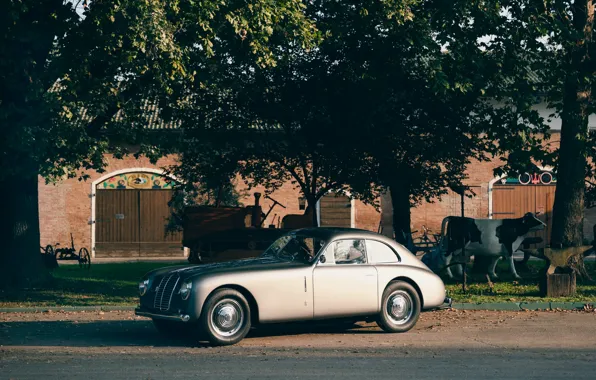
{"x":295,"y":248}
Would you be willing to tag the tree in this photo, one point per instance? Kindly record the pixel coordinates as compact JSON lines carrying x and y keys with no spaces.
{"x":413,"y":93}
{"x":271,"y":156}
{"x":75,"y":88}
{"x":554,"y":39}
{"x":360,"y":110}
{"x":27,"y":112}
{"x":278,"y":126}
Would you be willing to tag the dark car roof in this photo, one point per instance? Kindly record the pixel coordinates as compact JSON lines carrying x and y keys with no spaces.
{"x":327,"y":233}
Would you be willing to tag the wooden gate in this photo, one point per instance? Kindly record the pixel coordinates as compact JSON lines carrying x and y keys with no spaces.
{"x":336,"y":211}
{"x":132,"y":222}
{"x":513,"y":201}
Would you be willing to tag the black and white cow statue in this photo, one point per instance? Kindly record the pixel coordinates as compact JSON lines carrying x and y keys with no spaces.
{"x":495,"y":238}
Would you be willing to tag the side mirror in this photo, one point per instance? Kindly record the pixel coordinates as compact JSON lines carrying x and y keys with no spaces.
{"x":322,"y":259}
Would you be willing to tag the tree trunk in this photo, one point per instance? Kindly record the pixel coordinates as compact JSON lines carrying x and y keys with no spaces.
{"x":20,"y":259}
{"x":400,"y":199}
{"x":312,"y":208}
{"x":219,"y":194}
{"x":568,"y":210}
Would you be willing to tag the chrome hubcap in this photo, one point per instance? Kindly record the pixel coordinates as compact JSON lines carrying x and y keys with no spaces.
{"x":400,"y":307}
{"x":227,"y":317}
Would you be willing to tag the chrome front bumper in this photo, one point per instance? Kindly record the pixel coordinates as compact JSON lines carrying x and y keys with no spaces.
{"x":176,"y":318}
{"x":447,"y":303}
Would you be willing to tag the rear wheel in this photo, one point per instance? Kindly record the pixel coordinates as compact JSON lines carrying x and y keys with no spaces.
{"x":84,"y":258}
{"x":225,"y":319}
{"x":400,"y":308}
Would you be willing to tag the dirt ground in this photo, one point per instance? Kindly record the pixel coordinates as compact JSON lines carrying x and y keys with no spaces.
{"x":99,"y":331}
{"x":465,"y":342}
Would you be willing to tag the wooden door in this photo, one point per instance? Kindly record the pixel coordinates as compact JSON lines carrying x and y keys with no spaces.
{"x":132,"y":222}
{"x":154,"y":214}
{"x":336,"y":211}
{"x":116,"y":222}
{"x":513,"y":201}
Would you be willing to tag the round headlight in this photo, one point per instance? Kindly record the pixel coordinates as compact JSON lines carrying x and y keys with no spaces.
{"x":185,"y":290}
{"x":143,"y":287}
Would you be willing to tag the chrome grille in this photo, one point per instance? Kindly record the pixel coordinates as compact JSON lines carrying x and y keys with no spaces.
{"x":165,"y":291}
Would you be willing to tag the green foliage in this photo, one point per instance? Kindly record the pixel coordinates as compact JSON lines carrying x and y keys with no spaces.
{"x":76,"y":88}
{"x":360,"y":109}
{"x":546,"y":48}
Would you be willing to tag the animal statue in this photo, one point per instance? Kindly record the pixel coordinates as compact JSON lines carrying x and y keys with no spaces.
{"x":495,"y":238}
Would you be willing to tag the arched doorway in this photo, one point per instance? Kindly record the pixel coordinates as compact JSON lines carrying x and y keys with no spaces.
{"x":130,"y":213}
{"x":336,"y":210}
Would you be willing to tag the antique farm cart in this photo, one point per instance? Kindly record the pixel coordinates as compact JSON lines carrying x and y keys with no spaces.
{"x":209,"y":231}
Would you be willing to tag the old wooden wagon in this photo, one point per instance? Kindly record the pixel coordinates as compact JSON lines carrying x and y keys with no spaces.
{"x":211,"y":233}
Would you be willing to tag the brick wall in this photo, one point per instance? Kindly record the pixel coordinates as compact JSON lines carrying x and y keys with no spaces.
{"x":366,"y":217}
{"x":480,"y":174}
{"x":287,"y":195}
{"x":65,"y":207}
{"x":431,"y":214}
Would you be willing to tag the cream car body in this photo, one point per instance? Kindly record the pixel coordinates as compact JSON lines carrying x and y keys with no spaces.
{"x":308,"y":287}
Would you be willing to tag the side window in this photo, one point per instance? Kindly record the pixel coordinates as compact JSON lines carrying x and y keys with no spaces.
{"x":380,"y":252}
{"x":329,"y":257}
{"x":348,"y":251}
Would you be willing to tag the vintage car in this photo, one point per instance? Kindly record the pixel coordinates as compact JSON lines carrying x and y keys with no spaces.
{"x":307,"y":274}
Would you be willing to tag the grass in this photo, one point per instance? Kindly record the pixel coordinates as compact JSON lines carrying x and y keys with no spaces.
{"x":525,"y":290}
{"x":116,"y":284}
{"x":103,"y":284}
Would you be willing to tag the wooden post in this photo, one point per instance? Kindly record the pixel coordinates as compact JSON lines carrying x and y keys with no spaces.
{"x":559,"y":285}
{"x":559,"y":279}
{"x":463,"y":247}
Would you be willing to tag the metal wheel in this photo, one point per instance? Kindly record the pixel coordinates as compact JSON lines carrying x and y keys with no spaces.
{"x":50,"y":250}
{"x":400,"y":307}
{"x":84,"y":258}
{"x":227,"y":317}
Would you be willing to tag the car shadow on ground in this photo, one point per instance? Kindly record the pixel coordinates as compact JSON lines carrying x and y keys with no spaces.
{"x":122,"y":333}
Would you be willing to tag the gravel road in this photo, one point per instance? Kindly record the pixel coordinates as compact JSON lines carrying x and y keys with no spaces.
{"x":445,"y":344}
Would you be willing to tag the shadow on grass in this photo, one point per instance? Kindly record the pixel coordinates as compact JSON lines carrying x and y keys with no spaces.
{"x":116,"y":284}
{"x":507,"y":289}
{"x":72,"y":286}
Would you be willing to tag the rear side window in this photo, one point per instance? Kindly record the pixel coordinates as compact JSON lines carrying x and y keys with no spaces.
{"x":380,"y":252}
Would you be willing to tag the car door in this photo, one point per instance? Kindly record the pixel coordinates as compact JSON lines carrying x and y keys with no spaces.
{"x":345,"y":284}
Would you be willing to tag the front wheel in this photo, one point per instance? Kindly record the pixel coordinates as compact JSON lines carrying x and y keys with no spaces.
{"x":400,"y":308}
{"x":225,"y":318}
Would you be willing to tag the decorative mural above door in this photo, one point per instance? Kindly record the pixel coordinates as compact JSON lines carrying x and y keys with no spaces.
{"x":540,"y":178}
{"x":138,"y":180}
